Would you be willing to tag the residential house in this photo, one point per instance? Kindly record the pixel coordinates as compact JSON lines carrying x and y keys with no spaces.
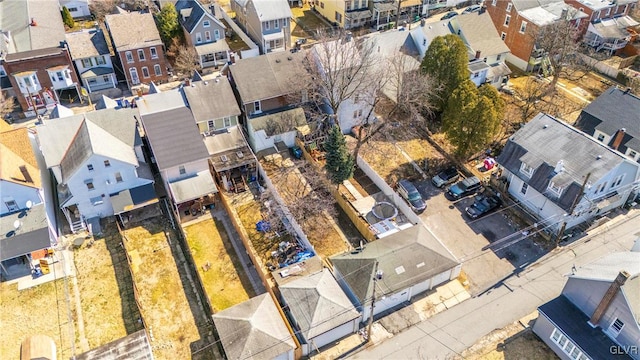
{"x":384,"y":12}
{"x":518,"y":23}
{"x":483,"y":46}
{"x":319,"y":311}
{"x":204,"y":32}
{"x":213,"y":104}
{"x":138,"y":47}
{"x":177,"y":148}
{"x":269,"y":83}
{"x":560,"y":175}
{"x":26,"y":229}
{"x":79,"y":9}
{"x":33,"y":55}
{"x":268,"y":23}
{"x":90,"y":53}
{"x":612,"y":118}
{"x":608,"y":23}
{"x":265,"y":132}
{"x":259,"y":331}
{"x":345,"y":14}
{"x":409,"y":263}
{"x":424,"y":34}
{"x":596,"y":316}
{"x":98,"y":164}
{"x":232,"y":160}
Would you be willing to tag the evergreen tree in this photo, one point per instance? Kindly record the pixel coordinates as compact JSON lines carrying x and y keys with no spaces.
{"x":67,"y":18}
{"x":168,"y":24}
{"x":446,"y":62}
{"x":339,"y":162}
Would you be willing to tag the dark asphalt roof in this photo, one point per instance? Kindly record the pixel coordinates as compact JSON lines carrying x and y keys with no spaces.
{"x":174,"y":137}
{"x":127,"y":200}
{"x":574,"y":324}
{"x":32,"y":235}
{"x":613,"y":110}
{"x":132,"y":347}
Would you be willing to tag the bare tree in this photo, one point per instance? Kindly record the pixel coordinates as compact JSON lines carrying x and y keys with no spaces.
{"x":185,"y":59}
{"x":527,"y":97}
{"x":101,"y":8}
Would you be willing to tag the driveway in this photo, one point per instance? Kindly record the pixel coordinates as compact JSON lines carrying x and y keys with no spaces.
{"x":469,"y":240}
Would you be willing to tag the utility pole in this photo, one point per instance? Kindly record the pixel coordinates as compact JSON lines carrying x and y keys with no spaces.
{"x":376,"y":277}
{"x":572,"y":208}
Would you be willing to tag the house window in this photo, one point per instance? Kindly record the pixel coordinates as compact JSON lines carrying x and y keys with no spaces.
{"x":206,"y":23}
{"x":498,"y":57}
{"x":596,"y":15}
{"x":107,"y":163}
{"x":95,"y":201}
{"x":284,"y":22}
{"x":555,"y":188}
{"x":507,"y":20}
{"x":207,"y":36}
{"x":494,"y":2}
{"x":141,"y":55}
{"x":90,"y":185}
{"x":321,"y":5}
{"x":60,"y":76}
{"x":182,"y":170}
{"x":601,"y":137}
{"x":256,"y":106}
{"x":355,"y":114}
{"x":11,"y":204}
{"x":106,"y":78}
{"x":90,"y":167}
{"x":154,"y":53}
{"x":509,"y":6}
{"x":227,"y":122}
{"x":616,"y":327}
{"x":632,"y":154}
{"x":67,"y":74}
{"x":524,"y":188}
{"x":348,"y":6}
{"x":145,"y":72}
{"x":135,"y":80}
{"x":266,"y":25}
{"x":601,"y":187}
{"x":216,"y":34}
{"x":118,"y":177}
{"x":503,"y":36}
{"x":338,"y":17}
{"x":100,"y":60}
{"x":276,"y":24}
{"x":129,"y":57}
{"x":72,"y":9}
{"x":27,"y":82}
{"x":211,"y":124}
{"x":87,"y":62}
{"x":523,"y":27}
{"x":617,"y":181}
{"x":526,"y":169}
{"x":198,"y":38}
{"x":608,"y":12}
{"x":157,"y":70}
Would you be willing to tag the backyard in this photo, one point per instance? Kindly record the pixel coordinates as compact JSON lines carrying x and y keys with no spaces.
{"x":169,"y":305}
{"x":306,"y":23}
{"x":218,"y":265}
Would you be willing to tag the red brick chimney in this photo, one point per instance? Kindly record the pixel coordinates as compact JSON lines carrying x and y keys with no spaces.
{"x":618,"y":139}
{"x":33,"y":22}
{"x":478,"y":53}
{"x":608,"y":297}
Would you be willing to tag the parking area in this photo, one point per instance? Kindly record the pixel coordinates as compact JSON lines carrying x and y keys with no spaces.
{"x":470,"y":240}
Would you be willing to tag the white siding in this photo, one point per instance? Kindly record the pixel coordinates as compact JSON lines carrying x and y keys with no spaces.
{"x":18,"y":193}
{"x":335,"y":334}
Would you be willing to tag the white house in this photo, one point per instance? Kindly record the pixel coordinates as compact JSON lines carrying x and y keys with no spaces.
{"x":410,"y":262}
{"x":90,"y":54}
{"x":265,"y":131}
{"x":98,"y":164}
{"x":546,"y":164}
{"x":212,"y":103}
{"x":77,"y":8}
{"x":268,"y":23}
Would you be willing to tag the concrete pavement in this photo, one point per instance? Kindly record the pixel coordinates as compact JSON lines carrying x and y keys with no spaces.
{"x":450,"y":332}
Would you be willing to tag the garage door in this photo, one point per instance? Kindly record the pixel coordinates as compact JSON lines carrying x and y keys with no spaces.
{"x":335,"y":334}
{"x":421,"y":287}
{"x":440,"y":278}
{"x":388,"y":302}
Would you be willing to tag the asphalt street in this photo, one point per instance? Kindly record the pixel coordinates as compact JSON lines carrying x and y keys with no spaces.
{"x":451,"y":332}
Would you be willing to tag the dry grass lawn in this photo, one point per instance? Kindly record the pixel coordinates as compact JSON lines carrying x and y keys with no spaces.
{"x":165,"y":305}
{"x":525,"y":346}
{"x":106,"y":292}
{"x":38,"y":310}
{"x":223,"y":280}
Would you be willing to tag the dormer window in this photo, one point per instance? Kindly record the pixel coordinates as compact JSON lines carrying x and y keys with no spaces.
{"x":526,"y":170}
{"x":556,"y":189}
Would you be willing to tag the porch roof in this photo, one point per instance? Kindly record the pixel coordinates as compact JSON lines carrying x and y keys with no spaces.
{"x":358,"y":15}
{"x":98,"y":71}
{"x":212,"y":48}
{"x":194,"y":187}
{"x":32,"y":234}
{"x":609,"y":29}
{"x":130,"y":199}
{"x":274,"y":36}
{"x":230,"y":146}
{"x":500,"y":69}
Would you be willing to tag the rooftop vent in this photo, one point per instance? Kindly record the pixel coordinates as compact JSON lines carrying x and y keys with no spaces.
{"x":545,"y":126}
{"x":598,"y":157}
{"x":240,"y":154}
{"x":224,"y":158}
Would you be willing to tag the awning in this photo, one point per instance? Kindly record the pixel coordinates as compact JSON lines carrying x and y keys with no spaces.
{"x":358,"y":15}
{"x":212,"y":48}
{"x":274,"y":36}
{"x":58,"y":68}
{"x":99,"y":71}
{"x":193,"y":187}
{"x":500,"y":69}
{"x":135,"y":198}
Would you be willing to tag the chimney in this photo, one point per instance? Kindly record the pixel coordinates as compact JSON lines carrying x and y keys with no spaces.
{"x":559,"y":167}
{"x":626,"y":91}
{"x":187,"y":82}
{"x":478,"y":53}
{"x":618,"y":139}
{"x":422,"y":22}
{"x":607,"y":299}
{"x":33,"y":22}
{"x":25,"y":174}
{"x":565,"y":14}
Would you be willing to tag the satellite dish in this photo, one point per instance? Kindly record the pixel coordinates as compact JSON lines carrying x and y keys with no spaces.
{"x":29,"y":204}
{"x":16,"y":224}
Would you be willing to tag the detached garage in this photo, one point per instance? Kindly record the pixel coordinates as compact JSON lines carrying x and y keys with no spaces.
{"x":410,"y":262}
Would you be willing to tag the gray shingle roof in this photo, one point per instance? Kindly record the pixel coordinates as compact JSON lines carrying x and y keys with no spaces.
{"x":84,"y":44}
{"x":259,"y":332}
{"x":32,"y":235}
{"x":543,"y":142}
{"x":174,"y":137}
{"x":211,"y":99}
{"x":406,"y":258}
{"x":613,"y":110}
{"x":195,"y":12}
{"x":317,"y":303}
{"x":133,"y":30}
{"x":131,"y":347}
{"x":15,"y":15}
{"x":266,"y":76}
{"x":272,"y":9}
{"x":481,"y":34}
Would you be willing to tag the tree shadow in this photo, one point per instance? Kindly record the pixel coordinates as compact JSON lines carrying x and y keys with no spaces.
{"x":525,"y":345}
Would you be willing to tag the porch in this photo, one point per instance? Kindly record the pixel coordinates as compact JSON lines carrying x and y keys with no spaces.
{"x":213,"y":54}
{"x":233,"y":162}
{"x":132,"y":203}
{"x":191,"y":195}
{"x":99,"y":78}
{"x":357,"y":18}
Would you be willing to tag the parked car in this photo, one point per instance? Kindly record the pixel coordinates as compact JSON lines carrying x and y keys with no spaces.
{"x":463,"y":188}
{"x":449,"y":15}
{"x":472,"y":9}
{"x":445,"y":177}
{"x":483,"y":205}
{"x":409,"y":192}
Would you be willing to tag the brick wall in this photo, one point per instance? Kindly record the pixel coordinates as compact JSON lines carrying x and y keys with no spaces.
{"x":149,"y":63}
{"x":521,"y":45}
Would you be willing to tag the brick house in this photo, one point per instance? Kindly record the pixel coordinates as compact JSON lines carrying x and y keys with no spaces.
{"x":33,"y":56}
{"x":518,"y":23}
{"x":138,"y":47}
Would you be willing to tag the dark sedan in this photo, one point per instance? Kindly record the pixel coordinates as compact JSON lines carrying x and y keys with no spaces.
{"x":483,"y":205}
